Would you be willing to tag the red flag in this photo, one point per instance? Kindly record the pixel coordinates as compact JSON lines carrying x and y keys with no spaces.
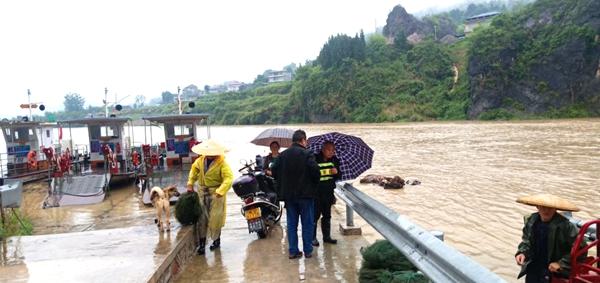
{"x":59,"y":133}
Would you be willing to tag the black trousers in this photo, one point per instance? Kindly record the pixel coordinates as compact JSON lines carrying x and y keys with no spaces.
{"x":323,"y":211}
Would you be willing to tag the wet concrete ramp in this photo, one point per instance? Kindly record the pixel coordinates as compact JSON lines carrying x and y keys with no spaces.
{"x":76,"y":190}
{"x":245,"y":258}
{"x":115,"y":255}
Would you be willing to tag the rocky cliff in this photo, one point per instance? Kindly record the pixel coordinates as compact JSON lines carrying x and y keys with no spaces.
{"x":542,"y":60}
{"x":401,"y":23}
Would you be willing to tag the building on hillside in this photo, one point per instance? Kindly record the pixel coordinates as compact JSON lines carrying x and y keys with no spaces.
{"x":217,"y":89}
{"x":233,"y":86}
{"x":478,"y":20}
{"x":279,"y":76}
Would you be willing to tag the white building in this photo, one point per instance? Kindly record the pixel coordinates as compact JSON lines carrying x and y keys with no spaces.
{"x":279,"y":76}
{"x":478,"y":20}
{"x":233,"y":85}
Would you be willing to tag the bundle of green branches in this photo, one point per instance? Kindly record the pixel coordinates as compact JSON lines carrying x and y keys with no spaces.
{"x":187,"y":210}
{"x":384,"y":263}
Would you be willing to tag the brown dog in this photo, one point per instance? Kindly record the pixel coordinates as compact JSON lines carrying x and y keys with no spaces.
{"x":160,"y":201}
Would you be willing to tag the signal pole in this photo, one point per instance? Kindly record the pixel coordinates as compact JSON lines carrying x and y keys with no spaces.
{"x":105,"y":102}
{"x":29,"y":101}
{"x":179,"y":99}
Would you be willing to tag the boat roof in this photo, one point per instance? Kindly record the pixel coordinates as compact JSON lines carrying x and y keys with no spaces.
{"x":177,"y":118}
{"x":18,"y":124}
{"x":96,"y":121}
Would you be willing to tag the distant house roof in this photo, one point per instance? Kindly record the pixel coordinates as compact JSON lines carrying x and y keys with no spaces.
{"x":482,"y":16}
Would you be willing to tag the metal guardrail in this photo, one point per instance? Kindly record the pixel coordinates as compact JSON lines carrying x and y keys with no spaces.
{"x":438,"y":261}
{"x":591,"y":231}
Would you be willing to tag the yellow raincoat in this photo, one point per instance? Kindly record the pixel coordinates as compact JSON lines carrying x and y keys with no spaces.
{"x":218,"y":180}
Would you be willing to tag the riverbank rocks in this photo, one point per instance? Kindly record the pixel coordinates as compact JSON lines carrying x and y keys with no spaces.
{"x":386,"y":182}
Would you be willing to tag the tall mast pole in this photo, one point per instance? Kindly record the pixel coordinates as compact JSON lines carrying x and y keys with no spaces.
{"x":29,"y":100}
{"x":106,"y":102}
{"x":179,"y":99}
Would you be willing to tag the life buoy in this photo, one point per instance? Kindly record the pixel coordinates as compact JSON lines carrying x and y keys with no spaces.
{"x":154,"y":159}
{"x":114,"y":166}
{"x":49,"y":152}
{"x":32,"y":159}
{"x":135,"y":158}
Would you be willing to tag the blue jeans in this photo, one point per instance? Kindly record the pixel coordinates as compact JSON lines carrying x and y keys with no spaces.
{"x":305,"y":208}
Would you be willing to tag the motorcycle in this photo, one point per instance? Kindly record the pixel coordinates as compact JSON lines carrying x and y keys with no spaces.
{"x":260,"y":206}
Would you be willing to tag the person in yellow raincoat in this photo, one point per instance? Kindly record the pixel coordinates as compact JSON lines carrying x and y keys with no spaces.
{"x":214,"y":178}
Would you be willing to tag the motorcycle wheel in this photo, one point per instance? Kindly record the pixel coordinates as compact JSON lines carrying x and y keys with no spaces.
{"x":278,"y":217}
{"x":262,"y":234}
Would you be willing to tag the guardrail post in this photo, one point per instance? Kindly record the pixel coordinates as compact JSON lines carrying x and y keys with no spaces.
{"x":349,"y":228}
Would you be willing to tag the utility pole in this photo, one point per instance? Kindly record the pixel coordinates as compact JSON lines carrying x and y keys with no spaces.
{"x":29,"y":101}
{"x":179,"y":99}
{"x":105,"y":102}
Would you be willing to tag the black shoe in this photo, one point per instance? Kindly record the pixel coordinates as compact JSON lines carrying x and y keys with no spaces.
{"x":315,"y":243}
{"x":330,"y":241}
{"x":216,"y":244}
{"x":295,"y":256}
{"x":200,"y":248}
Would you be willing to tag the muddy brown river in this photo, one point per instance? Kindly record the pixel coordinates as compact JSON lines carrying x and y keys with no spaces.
{"x":471,"y":174}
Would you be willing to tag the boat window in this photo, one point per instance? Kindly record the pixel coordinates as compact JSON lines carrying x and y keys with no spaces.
{"x":94,"y":132}
{"x":22,"y":134}
{"x":169,"y":128}
{"x":109,"y":131}
{"x":183,"y":130}
{"x":47,"y":133}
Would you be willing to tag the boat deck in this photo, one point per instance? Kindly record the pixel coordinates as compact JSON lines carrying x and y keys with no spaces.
{"x":76,"y":190}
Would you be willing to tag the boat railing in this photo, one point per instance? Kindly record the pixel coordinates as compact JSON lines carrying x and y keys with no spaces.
{"x":437,"y":260}
{"x":19,"y":165}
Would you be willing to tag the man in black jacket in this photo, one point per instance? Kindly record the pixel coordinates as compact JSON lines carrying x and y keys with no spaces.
{"x":297,"y":175}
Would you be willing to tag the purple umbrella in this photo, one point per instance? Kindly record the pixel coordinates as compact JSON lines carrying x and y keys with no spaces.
{"x":354,"y":154}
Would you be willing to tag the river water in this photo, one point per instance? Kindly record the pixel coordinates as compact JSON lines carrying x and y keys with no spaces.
{"x":471,"y":174}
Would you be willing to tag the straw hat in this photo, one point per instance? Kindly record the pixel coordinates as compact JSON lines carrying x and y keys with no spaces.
{"x":209,"y":148}
{"x":548,"y":200}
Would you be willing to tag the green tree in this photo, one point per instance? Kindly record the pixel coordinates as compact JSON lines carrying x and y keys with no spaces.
{"x":378,"y":50}
{"x":167,"y":97}
{"x":341,"y":47}
{"x":74,"y":102}
{"x":139,"y":101}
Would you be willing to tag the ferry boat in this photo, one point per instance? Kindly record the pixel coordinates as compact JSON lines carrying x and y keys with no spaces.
{"x":22,"y":158}
{"x":106,"y":164}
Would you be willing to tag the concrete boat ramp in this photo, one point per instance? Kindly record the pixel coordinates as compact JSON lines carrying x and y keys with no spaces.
{"x":113,"y":255}
{"x":139,"y":253}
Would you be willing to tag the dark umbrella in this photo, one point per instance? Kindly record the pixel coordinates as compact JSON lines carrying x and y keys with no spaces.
{"x":281,"y":135}
{"x":354,"y":154}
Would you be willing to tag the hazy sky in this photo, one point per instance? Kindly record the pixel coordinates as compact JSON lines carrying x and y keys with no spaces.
{"x":146,"y":47}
